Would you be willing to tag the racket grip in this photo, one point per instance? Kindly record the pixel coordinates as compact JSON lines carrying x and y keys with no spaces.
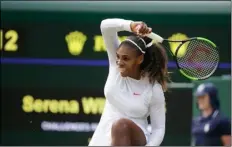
{"x":155,"y":37}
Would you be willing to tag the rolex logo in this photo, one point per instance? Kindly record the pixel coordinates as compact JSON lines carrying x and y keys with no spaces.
{"x":174,"y":45}
{"x":75,"y":41}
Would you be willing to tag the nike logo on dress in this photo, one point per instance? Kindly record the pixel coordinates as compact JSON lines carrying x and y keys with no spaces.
{"x":136,"y":93}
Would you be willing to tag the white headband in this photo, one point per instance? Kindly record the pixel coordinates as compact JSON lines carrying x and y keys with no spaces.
{"x":143,"y":41}
{"x":136,"y":45}
{"x":149,"y":44}
{"x":146,"y":45}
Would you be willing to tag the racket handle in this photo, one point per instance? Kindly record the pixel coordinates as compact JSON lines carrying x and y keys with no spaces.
{"x":155,"y":37}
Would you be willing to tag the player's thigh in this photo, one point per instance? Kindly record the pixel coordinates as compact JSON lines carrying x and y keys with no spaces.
{"x":138,"y":137}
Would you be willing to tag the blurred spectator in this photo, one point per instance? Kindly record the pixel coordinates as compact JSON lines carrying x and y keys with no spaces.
{"x":211,"y":128}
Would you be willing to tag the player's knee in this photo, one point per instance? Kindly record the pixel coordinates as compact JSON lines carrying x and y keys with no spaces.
{"x":121,"y":126}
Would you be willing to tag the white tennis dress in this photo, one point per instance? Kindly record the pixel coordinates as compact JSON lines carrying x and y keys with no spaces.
{"x":127,"y":97}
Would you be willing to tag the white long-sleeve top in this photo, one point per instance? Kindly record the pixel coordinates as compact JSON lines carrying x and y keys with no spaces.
{"x":127,"y":97}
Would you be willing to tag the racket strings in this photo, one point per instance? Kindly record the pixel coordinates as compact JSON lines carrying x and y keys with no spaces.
{"x":200,"y":60}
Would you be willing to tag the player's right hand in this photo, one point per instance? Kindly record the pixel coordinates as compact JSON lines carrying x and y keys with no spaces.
{"x":140,"y":28}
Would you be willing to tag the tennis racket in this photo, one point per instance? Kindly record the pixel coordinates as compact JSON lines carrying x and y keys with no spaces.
{"x":199,"y":60}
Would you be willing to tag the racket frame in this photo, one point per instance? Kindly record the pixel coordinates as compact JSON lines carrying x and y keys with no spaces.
{"x":159,"y":39}
{"x":176,"y":52}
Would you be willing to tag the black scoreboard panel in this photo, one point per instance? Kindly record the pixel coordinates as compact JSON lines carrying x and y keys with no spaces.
{"x":61,"y":116}
{"x":54,"y":67}
{"x":57,"y":35}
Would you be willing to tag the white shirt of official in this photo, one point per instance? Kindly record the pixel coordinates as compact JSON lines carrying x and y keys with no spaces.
{"x":127,"y":97}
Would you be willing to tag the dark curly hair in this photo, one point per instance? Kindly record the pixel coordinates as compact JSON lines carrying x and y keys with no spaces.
{"x":155,"y":60}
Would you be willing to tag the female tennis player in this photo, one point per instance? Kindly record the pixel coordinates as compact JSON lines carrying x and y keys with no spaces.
{"x":134,"y":88}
